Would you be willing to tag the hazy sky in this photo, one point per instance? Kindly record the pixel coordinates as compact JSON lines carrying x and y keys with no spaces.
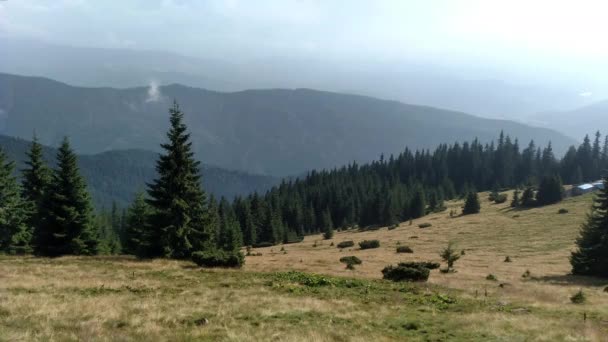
{"x":568,"y":37}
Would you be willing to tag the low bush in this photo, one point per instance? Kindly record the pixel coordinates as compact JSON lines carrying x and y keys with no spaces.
{"x":578,"y":298}
{"x":411,"y":326}
{"x":218,"y":258}
{"x":369,"y":244}
{"x":345,"y":244}
{"x":526,"y":274}
{"x":351,"y":260}
{"x":562,"y":211}
{"x":491,"y":277}
{"x":404,"y":249}
{"x":424,"y":225}
{"x":409,"y":271}
{"x":508,"y":259}
{"x":501,"y":198}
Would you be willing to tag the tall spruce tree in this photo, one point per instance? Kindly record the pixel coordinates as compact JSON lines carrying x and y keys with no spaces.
{"x":550,"y":190}
{"x":179,"y":220}
{"x":136,"y":233}
{"x":328,"y":225}
{"x":67,"y":225}
{"x":15,"y":233}
{"x":591,"y":257}
{"x":35,"y":183}
{"x":230,"y":238}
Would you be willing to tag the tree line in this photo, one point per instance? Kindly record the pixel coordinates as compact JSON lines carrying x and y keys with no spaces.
{"x":50,"y":212}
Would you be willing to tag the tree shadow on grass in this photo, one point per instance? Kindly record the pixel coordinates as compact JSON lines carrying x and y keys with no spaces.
{"x":571,"y":280}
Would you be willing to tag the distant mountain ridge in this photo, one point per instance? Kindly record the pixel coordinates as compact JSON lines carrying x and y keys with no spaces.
{"x":578,"y":122}
{"x":274,"y":131}
{"x":118,"y":175}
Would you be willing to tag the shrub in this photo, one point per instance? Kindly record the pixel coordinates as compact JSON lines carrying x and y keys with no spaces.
{"x":578,"y":298}
{"x":450,"y":256}
{"x":491,"y":277}
{"x":369,"y":244}
{"x":508,"y":259}
{"x":606,"y":289}
{"x":345,"y":244}
{"x":526,"y":274}
{"x":411,"y":326}
{"x":263,"y":244}
{"x":409,"y":271}
{"x":424,"y":225}
{"x":404,"y":249}
{"x":501,"y":198}
{"x":471,"y":205}
{"x":562,"y":211}
{"x":351,"y":260}
{"x":331,"y":244}
{"x":218,"y":258}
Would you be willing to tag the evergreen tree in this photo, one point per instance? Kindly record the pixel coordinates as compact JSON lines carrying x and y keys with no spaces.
{"x":471,"y":205}
{"x":550,"y":190}
{"x":527,"y":198}
{"x":515,"y":202}
{"x":35,"y":183}
{"x":15,"y":233}
{"x":591,"y":257}
{"x":328,"y":225}
{"x":418,"y":204}
{"x":67,"y":225}
{"x":230,"y":238}
{"x":179,"y":218}
{"x":136,"y":232}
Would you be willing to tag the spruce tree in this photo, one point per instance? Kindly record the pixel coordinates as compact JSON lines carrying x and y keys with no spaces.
{"x":591,"y":256}
{"x":230,"y":237}
{"x":179,"y":219}
{"x":137,"y":239}
{"x":35,"y":183}
{"x":550,"y":190}
{"x":328,"y":225}
{"x":418,"y":204}
{"x":67,"y":225}
{"x":15,"y":233}
{"x":471,"y":205}
{"x":527,"y":198}
{"x":515,"y":202}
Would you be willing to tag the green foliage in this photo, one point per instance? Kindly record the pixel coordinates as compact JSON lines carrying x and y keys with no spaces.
{"x":550,"y":190}
{"x":409,"y":271}
{"x":425,"y":225}
{"x":562,"y":211}
{"x":591,"y":256}
{"x":345,"y":244}
{"x":137,"y":237}
{"x":369,"y":244}
{"x":67,"y":225}
{"x":218,"y":258}
{"x":179,"y":221}
{"x":528,"y":199}
{"x":351,"y":260}
{"x":501,"y":198}
{"x":404,"y":249}
{"x":516,"y":202}
{"x":450,"y":256}
{"x":328,"y":225}
{"x":508,"y":259}
{"x":491,"y":277}
{"x":471,"y":205}
{"x":578,"y":298}
{"x":15,"y":232}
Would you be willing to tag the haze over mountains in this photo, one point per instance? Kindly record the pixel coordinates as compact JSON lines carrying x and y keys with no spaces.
{"x":276,"y":131}
{"x":410,"y":82}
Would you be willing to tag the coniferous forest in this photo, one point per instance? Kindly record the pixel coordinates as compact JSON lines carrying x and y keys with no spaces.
{"x":51,"y":213}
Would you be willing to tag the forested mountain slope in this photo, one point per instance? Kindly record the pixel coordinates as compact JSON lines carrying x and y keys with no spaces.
{"x":118,"y":175}
{"x":275,"y":131}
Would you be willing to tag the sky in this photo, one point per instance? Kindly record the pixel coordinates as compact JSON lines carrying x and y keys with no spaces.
{"x":557,"y":37}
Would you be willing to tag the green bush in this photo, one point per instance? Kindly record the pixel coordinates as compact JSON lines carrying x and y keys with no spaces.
{"x":501,"y":198}
{"x":508,"y":259}
{"x":424,"y":225}
{"x":369,"y":244}
{"x":345,"y":244}
{"x":409,"y":271}
{"x":562,"y":211}
{"x":491,"y":277}
{"x":353,"y":260}
{"x":578,"y":298}
{"x":218,"y":258}
{"x":526,"y":274}
{"x":404,"y":249}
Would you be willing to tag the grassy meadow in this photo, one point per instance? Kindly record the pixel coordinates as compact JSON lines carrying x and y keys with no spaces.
{"x":301,"y":292}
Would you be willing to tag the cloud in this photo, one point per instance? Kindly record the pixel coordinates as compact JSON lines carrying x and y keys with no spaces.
{"x":585,"y":94}
{"x":154,"y":94}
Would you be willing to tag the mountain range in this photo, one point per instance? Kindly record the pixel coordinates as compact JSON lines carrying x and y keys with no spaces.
{"x":278,"y":132}
{"x":115,"y":176}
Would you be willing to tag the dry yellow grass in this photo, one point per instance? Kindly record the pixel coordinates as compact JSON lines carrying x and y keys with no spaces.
{"x":122,"y":299}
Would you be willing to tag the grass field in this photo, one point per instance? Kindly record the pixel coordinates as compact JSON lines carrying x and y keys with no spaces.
{"x":122,"y":299}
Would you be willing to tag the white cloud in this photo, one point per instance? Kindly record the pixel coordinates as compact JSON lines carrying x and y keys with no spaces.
{"x":154,"y":94}
{"x":585,"y":94}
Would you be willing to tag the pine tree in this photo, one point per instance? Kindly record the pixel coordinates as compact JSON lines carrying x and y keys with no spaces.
{"x":471,"y":205}
{"x":180,"y":218}
{"x":137,"y":239}
{"x":15,"y":233}
{"x":591,"y":257}
{"x":328,"y":225}
{"x":550,"y":190}
{"x":527,"y":198}
{"x":515,"y":202}
{"x":67,"y":225}
{"x":230,"y":238}
{"x":418,"y":204}
{"x":35,"y":183}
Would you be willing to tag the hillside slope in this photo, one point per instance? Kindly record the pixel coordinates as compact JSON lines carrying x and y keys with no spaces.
{"x":275,"y":131}
{"x":578,"y":122}
{"x":118,"y":175}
